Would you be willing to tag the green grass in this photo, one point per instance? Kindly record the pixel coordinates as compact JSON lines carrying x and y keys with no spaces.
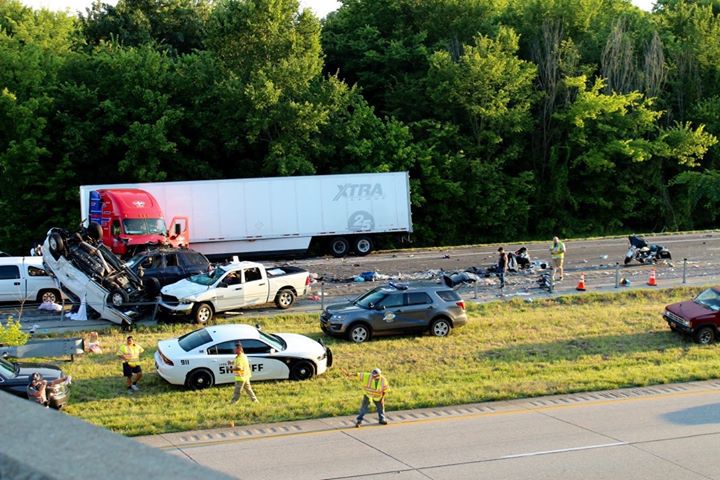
{"x":508,"y":350}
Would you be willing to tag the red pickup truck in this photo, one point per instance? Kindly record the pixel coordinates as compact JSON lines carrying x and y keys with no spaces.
{"x":699,"y":317}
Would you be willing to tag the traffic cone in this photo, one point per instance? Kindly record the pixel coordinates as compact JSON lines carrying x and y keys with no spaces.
{"x":652,"y":280}
{"x":581,"y":284}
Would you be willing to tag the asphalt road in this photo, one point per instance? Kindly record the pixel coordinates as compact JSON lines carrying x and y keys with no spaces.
{"x":668,"y":431}
{"x":600,"y":260}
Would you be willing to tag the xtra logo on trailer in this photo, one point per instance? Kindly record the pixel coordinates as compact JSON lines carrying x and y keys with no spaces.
{"x":357,"y":191}
{"x":139,"y":204}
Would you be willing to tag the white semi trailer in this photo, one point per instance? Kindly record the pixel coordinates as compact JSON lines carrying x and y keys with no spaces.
{"x":282,"y":214}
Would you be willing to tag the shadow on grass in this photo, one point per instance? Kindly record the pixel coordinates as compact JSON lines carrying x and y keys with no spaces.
{"x":605,"y":345}
{"x":701,"y":415}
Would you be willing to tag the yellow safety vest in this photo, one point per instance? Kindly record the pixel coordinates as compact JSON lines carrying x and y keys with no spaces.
{"x":374,"y":388}
{"x":134,"y":351}
{"x":242,"y":368}
{"x":558,"y":251}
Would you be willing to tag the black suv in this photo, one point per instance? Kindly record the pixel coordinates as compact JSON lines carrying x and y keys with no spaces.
{"x":393,"y":308}
{"x":169,"y":265}
{"x":15,"y":377}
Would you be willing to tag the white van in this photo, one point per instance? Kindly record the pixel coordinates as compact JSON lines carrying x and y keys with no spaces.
{"x":25,"y":279}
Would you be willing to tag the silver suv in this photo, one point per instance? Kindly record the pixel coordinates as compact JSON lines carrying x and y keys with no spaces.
{"x":392,"y":309}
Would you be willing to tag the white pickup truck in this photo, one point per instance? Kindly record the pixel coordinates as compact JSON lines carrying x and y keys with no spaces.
{"x":25,"y":279}
{"x":232,"y":286}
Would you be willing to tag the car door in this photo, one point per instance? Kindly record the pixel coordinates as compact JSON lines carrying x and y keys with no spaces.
{"x":221,"y":359}
{"x":229,"y":291}
{"x":387,"y":316}
{"x":418,"y":310}
{"x":266,"y":363}
{"x":12,"y":288}
{"x":255,"y":285}
{"x":173,"y":270}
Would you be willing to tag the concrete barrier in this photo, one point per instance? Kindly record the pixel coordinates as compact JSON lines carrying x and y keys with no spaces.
{"x":43,"y":444}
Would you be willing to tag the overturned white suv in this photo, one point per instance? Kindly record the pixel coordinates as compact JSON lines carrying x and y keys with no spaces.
{"x":88,"y":270}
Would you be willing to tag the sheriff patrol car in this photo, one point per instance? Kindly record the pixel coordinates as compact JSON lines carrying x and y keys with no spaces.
{"x":204,"y":357}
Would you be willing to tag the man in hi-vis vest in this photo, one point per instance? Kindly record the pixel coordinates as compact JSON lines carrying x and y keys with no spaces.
{"x":374,"y":386}
{"x":243,"y":372}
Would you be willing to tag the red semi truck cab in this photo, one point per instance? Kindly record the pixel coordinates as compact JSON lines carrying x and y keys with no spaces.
{"x":132,"y":218}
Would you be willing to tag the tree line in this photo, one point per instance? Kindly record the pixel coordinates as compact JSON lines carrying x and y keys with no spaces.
{"x":516,"y":119}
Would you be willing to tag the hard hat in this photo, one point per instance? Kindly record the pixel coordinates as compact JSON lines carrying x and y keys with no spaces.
{"x":376,"y":371}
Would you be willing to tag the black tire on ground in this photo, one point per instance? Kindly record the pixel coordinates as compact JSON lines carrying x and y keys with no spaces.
{"x":302,"y":370}
{"x":705,"y":335}
{"x":199,"y":379}
{"x":441,"y":327}
{"x":363,"y":246}
{"x":49,"y":295}
{"x":94,"y":231}
{"x":203,"y":313}
{"x":359,"y":333}
{"x":117,"y":297}
{"x":284,"y":299}
{"x":56,"y":244}
{"x":339,"y":247}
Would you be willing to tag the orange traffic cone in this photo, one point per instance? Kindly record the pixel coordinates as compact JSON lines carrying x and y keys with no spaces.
{"x":652,"y":281}
{"x":581,"y":284}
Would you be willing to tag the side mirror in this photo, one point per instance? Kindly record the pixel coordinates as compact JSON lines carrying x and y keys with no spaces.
{"x":177,"y":229}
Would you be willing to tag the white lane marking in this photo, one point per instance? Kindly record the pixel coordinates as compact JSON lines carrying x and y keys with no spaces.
{"x":546,"y":452}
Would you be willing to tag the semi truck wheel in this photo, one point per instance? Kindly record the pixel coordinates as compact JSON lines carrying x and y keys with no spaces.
{"x":339,"y":247}
{"x":363,"y":246}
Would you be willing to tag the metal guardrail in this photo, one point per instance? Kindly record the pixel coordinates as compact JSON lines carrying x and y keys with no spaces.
{"x":54,"y":347}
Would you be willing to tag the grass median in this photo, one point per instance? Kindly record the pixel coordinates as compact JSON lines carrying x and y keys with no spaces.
{"x":508,"y":350}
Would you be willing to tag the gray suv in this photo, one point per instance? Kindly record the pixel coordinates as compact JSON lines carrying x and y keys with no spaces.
{"x":392,"y":309}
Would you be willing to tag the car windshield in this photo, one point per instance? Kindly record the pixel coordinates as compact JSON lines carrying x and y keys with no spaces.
{"x":710,"y":298}
{"x":144,"y":226}
{"x":208,"y":278}
{"x":370,"y":299}
{"x":274,"y":341}
{"x":192,"y":340}
{"x":7,"y":369}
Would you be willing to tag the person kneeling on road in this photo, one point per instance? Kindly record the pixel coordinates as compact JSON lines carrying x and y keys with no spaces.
{"x":374,"y":386}
{"x":130,"y":354}
{"x":37,"y":388}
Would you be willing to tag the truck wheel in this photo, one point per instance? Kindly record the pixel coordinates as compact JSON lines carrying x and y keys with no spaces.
{"x":363,"y":246}
{"x":359,"y":333}
{"x":94,"y":231}
{"x":151,"y":285}
{"x":203,"y":313}
{"x":302,"y":370}
{"x":440,"y":327}
{"x":339,"y":247}
{"x":56,"y":244}
{"x":199,"y":379}
{"x":705,"y":336}
{"x":51,"y":296}
{"x":117,"y":298}
{"x":284,"y":299}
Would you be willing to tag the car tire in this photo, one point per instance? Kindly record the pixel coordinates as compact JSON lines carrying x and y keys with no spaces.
{"x":339,"y":247}
{"x":441,"y":327}
{"x":359,"y":333}
{"x":117,"y":298}
{"x":56,"y":245}
{"x":94,"y":231}
{"x":199,"y":379}
{"x":363,"y":246}
{"x":284,"y":299}
{"x":302,"y":370}
{"x":151,"y":285}
{"x":49,"y":295}
{"x":705,"y":335}
{"x":203,"y":313}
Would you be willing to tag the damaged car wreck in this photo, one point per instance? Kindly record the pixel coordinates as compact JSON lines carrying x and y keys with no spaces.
{"x":87,"y":270}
